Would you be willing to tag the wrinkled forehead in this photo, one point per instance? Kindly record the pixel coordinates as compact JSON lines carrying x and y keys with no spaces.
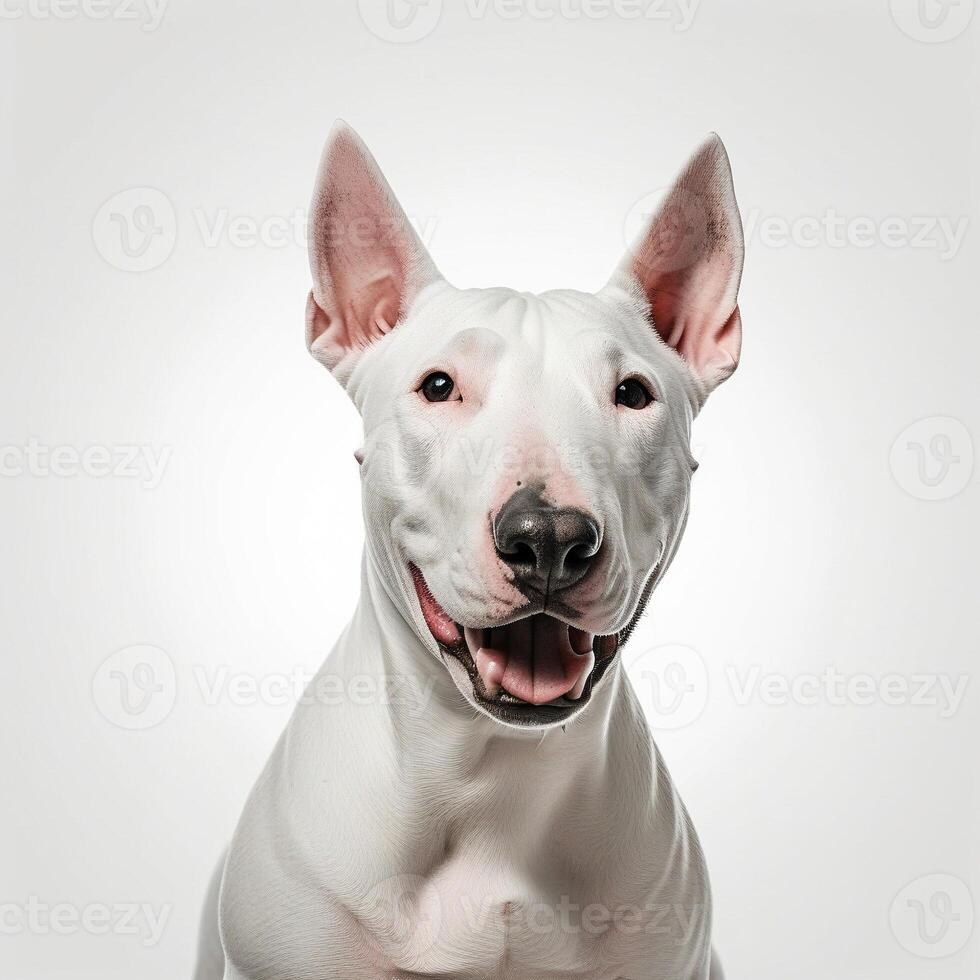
{"x":562,"y":343}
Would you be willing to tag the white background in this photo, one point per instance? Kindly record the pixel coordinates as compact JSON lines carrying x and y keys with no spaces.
{"x":522,"y":145}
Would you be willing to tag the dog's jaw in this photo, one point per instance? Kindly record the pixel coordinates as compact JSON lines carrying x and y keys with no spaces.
{"x":491,"y":680}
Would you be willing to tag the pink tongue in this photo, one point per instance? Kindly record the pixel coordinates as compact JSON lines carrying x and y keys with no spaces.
{"x":533,"y":660}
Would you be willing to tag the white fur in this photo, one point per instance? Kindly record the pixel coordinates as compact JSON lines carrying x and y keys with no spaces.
{"x":385,"y":841}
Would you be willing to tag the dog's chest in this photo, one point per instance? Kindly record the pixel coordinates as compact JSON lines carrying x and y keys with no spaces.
{"x":519,"y":869}
{"x":479,"y":909}
{"x":481,"y":915}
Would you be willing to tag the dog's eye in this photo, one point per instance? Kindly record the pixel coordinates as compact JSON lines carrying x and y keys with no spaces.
{"x":633,"y":394}
{"x":437,"y":387}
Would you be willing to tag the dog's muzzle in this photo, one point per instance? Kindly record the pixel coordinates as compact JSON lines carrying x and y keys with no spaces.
{"x":535,"y":670}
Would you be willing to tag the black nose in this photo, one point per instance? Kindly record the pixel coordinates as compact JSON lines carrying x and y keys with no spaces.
{"x":549,"y":548}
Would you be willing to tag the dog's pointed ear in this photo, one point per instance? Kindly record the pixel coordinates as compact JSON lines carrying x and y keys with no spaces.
{"x":687,"y":265}
{"x":368,"y":263}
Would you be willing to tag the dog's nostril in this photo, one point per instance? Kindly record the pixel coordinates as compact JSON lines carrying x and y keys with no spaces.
{"x":549,"y":548}
{"x":580,"y":554}
{"x":519,"y":553}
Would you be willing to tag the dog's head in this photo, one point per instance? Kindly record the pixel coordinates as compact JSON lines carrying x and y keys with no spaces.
{"x":526,"y":466}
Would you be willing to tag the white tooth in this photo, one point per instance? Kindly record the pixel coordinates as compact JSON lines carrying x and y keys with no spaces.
{"x":576,"y":692}
{"x":474,"y":640}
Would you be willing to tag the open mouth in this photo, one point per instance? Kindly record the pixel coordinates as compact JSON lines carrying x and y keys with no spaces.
{"x":533,"y":671}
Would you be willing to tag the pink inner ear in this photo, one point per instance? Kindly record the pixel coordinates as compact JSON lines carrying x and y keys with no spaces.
{"x":689,"y":262}
{"x":714,"y":353}
{"x":366,"y":259}
{"x":691,"y":310}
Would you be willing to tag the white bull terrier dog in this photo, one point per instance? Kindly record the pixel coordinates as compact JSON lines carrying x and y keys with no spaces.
{"x":526,"y":474}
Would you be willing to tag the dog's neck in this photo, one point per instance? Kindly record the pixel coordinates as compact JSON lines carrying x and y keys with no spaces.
{"x":453,"y":781}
